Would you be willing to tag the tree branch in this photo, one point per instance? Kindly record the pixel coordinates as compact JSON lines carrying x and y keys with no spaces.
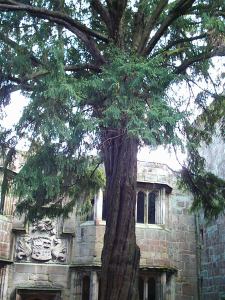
{"x":144,"y":27}
{"x":181,"y":8}
{"x":219,"y":51}
{"x":76,"y":68}
{"x":184,"y":40}
{"x":19,"y":48}
{"x":103,"y":12}
{"x":69,"y":68}
{"x":22,"y":82}
{"x":57,"y":16}
{"x":84,"y":33}
{"x":116,"y":10}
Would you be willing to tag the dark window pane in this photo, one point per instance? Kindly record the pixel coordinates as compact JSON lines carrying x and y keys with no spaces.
{"x":151,"y":208}
{"x":86,"y":288}
{"x":151,"y":289}
{"x":141,"y":288}
{"x":99,"y":288}
{"x":104,"y":208}
{"x":140,"y":207}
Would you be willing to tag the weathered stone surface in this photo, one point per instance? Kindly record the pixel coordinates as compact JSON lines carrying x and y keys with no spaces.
{"x":5,"y":237}
{"x":41,"y":244}
{"x":168,"y":246}
{"x":212,"y":237}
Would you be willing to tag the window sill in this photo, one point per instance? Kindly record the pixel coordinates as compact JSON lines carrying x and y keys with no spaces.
{"x":91,"y":223}
{"x":152,"y":226}
{"x":138,"y":225}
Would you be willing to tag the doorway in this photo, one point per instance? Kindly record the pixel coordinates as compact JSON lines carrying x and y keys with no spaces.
{"x":38,"y":295}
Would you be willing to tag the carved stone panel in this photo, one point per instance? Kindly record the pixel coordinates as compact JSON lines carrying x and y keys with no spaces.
{"x":41,"y":244}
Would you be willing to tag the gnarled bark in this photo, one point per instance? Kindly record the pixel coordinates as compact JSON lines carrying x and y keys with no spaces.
{"x":120,"y":255}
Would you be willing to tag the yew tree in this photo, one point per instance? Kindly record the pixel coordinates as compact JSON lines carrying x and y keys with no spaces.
{"x":102,"y":77}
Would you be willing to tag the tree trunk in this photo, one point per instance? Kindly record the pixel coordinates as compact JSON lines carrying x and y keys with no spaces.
{"x":120,"y":255}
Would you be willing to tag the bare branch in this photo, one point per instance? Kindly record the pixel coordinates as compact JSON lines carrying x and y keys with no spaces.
{"x":181,"y":8}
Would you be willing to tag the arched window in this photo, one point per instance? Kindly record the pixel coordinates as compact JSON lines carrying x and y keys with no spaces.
{"x":141,"y":207}
{"x":151,"y":208}
{"x":151,"y":289}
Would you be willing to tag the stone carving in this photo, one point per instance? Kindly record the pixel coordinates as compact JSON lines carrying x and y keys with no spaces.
{"x":59,"y":251}
{"x":24,"y":248}
{"x":41,"y":248}
{"x":41,"y":244}
{"x":44,"y":226}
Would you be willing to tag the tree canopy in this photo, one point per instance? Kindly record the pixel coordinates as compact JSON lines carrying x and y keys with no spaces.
{"x":104,"y":75}
{"x":89,"y":65}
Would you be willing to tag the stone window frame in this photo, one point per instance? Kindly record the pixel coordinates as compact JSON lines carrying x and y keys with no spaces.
{"x":144,"y":288}
{"x":162,"y":192}
{"x":160,"y":206}
{"x":164,"y":283}
{"x":146,"y":207}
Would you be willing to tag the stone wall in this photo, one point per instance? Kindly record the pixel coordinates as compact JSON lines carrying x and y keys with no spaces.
{"x":213,"y":260}
{"x":168,"y":250}
{"x":6,"y":243}
{"x":182,"y":246}
{"x":5,"y":237}
{"x":169,"y":247}
{"x":39,"y":276}
{"x":175,"y":244}
{"x":41,"y":259}
{"x":212,"y":236}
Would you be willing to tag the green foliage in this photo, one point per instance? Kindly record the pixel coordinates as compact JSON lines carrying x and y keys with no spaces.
{"x":207,"y":189}
{"x":134,"y":90}
{"x":208,"y":192}
{"x":50,"y":183}
{"x":86,"y":71}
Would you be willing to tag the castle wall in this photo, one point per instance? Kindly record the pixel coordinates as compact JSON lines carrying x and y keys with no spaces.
{"x":213,"y":260}
{"x":212,"y":235}
{"x":182,"y":246}
{"x":168,"y":249}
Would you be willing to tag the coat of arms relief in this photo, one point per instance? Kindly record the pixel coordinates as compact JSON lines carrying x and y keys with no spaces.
{"x":41,"y":244}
